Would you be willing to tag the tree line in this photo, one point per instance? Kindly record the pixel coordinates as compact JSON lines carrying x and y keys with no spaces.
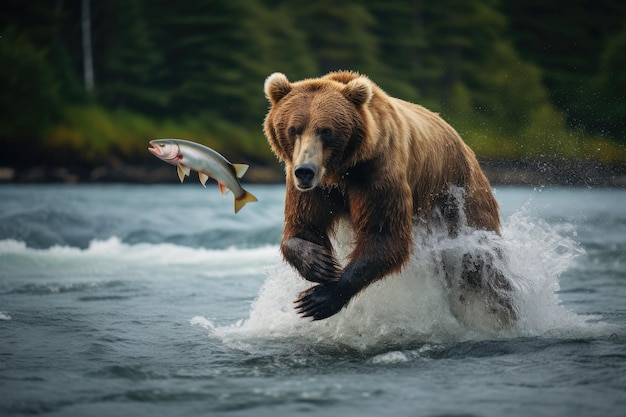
{"x":83,"y":79}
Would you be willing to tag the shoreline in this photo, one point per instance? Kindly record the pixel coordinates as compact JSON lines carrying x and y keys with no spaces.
{"x":584,"y":173}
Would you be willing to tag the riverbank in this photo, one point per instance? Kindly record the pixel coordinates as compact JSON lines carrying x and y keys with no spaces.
{"x":500,"y":172}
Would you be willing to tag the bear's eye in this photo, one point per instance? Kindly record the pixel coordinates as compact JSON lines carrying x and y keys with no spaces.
{"x":292,"y":130}
{"x":326,"y":132}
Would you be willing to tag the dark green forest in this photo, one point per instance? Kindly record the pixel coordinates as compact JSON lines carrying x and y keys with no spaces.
{"x":84,"y":81}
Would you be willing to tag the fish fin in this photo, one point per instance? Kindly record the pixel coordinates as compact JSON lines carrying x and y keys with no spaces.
{"x":243,"y":200}
{"x":240,"y":169}
{"x":203,"y":178}
{"x":223,"y":188}
{"x":181,"y":172}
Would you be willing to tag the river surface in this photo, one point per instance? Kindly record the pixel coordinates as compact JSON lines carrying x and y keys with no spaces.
{"x":160,"y":301}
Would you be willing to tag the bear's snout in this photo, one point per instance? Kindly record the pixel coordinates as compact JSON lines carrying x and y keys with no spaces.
{"x":305,"y":173}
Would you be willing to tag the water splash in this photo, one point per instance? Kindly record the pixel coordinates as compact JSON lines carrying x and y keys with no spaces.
{"x":420,"y":304}
{"x":112,"y":257}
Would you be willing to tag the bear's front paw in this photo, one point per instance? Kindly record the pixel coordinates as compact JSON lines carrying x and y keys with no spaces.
{"x":314,"y":262}
{"x":322,"y":267}
{"x":321,"y":301}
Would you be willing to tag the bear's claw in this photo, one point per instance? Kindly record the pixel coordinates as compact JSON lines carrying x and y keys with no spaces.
{"x":321,"y":301}
{"x":314,"y":262}
{"x":324,"y":270}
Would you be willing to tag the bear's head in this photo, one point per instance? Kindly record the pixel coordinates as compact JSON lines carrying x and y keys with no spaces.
{"x":319,"y":126}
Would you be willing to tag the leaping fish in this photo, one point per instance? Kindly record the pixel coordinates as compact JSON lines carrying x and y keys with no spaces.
{"x":188,"y":156}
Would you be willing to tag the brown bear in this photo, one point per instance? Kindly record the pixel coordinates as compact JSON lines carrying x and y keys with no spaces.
{"x":352,"y":151}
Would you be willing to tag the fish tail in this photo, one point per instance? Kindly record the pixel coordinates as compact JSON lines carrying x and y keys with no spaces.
{"x":243,"y":200}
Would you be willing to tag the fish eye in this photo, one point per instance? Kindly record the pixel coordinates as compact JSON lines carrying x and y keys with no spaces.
{"x":162,"y":145}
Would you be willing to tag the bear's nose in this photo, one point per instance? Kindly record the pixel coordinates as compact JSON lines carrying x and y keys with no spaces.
{"x":305,"y":173}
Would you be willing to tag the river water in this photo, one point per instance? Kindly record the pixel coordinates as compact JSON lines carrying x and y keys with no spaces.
{"x":160,"y":301}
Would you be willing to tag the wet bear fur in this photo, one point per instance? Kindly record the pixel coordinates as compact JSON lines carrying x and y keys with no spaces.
{"x":353,"y":152}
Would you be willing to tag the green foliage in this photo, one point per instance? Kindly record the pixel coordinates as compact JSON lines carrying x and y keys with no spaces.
{"x":338,"y":34}
{"x":573,"y":46}
{"x":398,"y":31}
{"x":610,"y":85}
{"x":215,"y":57}
{"x":93,"y":134}
{"x":29,"y":93}
{"x":129,"y":63}
{"x":521,"y":78}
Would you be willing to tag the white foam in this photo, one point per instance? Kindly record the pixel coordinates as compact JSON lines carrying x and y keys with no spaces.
{"x":202,"y":322}
{"x":113,"y":257}
{"x":390,"y":358}
{"x":418,"y":304}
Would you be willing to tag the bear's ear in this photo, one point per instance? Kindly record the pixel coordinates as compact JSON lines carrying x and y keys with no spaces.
{"x":276,"y":87}
{"x":359,"y":91}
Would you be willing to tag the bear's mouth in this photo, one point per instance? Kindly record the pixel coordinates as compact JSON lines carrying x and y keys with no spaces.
{"x":304,"y":186}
